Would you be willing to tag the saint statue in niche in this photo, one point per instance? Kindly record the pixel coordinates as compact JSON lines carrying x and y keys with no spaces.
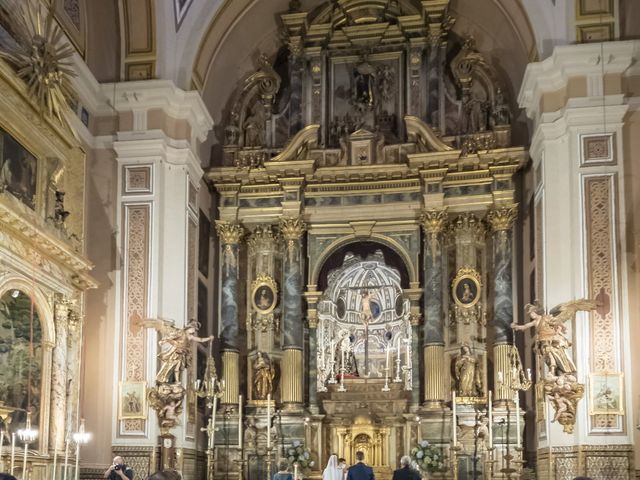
{"x":363,"y":97}
{"x":344,"y":352}
{"x":263,"y":375}
{"x":467,"y":373}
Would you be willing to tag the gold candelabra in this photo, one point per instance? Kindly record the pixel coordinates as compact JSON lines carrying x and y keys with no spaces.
{"x":210,"y":389}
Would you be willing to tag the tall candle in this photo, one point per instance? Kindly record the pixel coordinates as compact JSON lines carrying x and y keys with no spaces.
{"x":321,"y":347}
{"x":295,"y":471}
{"x":387,"y":364}
{"x":24,"y":462}
{"x":212,"y":434}
{"x":1,"y":445}
{"x":517,"y":400}
{"x":399,"y":350}
{"x":240,"y":422}
{"x":454,"y":419}
{"x":269,"y":421}
{"x":77,"y":476}
{"x":13,"y":452}
{"x":408,"y":359}
{"x":490,"y":419}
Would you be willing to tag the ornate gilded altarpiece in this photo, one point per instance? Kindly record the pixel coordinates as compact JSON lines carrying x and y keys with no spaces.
{"x":42,"y":268}
{"x":367,"y":169}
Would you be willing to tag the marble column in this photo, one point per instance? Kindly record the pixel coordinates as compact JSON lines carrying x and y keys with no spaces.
{"x":230,"y":235}
{"x":74,"y":340}
{"x":501,"y":220}
{"x":59,"y":376}
{"x":433,"y":223}
{"x":292,"y":321}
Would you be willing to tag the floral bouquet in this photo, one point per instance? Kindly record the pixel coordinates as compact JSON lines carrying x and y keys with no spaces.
{"x":429,"y":459}
{"x":298,"y":453}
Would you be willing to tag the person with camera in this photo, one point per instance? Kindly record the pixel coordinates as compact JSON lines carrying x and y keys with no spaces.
{"x":119,"y":470}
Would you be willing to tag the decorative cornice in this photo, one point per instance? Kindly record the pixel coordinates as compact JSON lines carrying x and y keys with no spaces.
{"x":55,"y":248}
{"x":590,"y":60}
{"x":502,"y":218}
{"x":433,"y":221}
{"x":292,"y":228}
{"x":229,"y":233}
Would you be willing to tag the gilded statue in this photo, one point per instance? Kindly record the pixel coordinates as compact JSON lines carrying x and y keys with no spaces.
{"x":467,"y":373}
{"x":175,"y":347}
{"x":166,"y":399}
{"x":263,"y":376}
{"x":550,"y":342}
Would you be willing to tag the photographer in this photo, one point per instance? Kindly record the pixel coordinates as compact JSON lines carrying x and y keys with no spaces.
{"x":119,"y":470}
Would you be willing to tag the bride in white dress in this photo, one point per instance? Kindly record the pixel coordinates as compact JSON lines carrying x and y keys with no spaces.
{"x":333,"y":470}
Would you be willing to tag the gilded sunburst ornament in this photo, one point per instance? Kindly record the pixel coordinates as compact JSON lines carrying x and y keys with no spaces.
{"x":38,"y":52}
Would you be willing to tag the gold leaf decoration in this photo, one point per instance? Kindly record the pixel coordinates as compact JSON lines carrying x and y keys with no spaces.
{"x":39,"y":53}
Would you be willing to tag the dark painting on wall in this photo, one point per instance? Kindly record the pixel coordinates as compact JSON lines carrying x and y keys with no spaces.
{"x":17,"y":170}
{"x":203,"y":244}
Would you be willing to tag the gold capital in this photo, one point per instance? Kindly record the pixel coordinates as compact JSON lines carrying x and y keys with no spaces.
{"x":292,"y":228}
{"x":229,"y":233}
{"x":433,"y":221}
{"x":502,"y":218}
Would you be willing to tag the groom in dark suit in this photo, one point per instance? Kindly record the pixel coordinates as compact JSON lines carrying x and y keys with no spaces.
{"x":360,"y":471}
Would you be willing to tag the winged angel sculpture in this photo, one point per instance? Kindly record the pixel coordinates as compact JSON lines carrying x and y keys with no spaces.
{"x":551,"y":344}
{"x":175,"y":353}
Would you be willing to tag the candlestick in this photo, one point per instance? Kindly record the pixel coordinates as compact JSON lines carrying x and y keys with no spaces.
{"x":490,"y":419}
{"x":454,"y":419}
{"x":66,"y":458}
{"x":240,"y":422}
{"x":55,"y":462}
{"x":1,"y":445}
{"x":517,"y":400}
{"x":77,"y":472}
{"x":13,"y":452}
{"x":269,"y":421}
{"x":295,"y":471}
{"x":24,"y":462}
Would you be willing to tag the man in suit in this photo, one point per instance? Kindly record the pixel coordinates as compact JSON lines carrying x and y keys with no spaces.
{"x":360,"y":471}
{"x":405,"y":472}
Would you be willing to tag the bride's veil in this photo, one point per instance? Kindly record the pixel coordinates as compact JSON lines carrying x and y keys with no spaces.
{"x":332,"y":472}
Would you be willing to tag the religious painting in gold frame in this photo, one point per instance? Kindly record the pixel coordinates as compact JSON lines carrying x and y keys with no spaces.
{"x":132,"y":400}
{"x":466,"y":288}
{"x":264,"y":294}
{"x":606,"y":393}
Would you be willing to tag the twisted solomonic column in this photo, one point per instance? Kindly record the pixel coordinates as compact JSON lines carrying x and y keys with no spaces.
{"x":230,"y":236}
{"x":501,"y":219}
{"x":433,"y":223}
{"x":292,"y":383}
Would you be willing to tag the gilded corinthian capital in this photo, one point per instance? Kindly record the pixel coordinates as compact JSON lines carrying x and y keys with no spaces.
{"x":229,"y":233}
{"x":292,"y":228}
{"x":502,"y":218}
{"x":433,"y":221}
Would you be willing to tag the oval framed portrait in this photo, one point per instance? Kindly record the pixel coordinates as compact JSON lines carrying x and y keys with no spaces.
{"x":264,"y":294}
{"x":466,"y":288}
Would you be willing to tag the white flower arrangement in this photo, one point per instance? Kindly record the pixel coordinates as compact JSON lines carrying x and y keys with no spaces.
{"x":298,"y":453}
{"x":428,"y":458}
